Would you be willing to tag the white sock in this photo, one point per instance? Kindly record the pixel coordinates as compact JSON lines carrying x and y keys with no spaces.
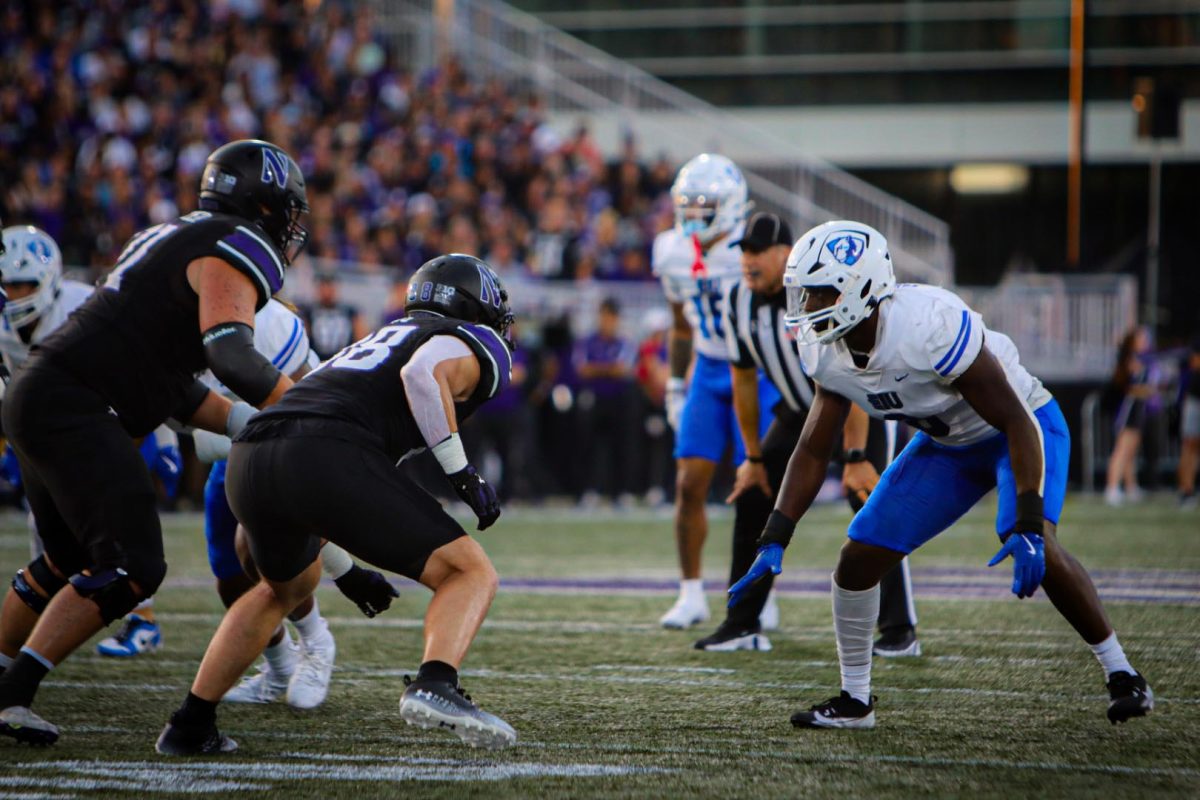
{"x":311,"y":626}
{"x":5,"y":661}
{"x":282,"y":657}
{"x":692,"y":590}
{"x":1111,"y":656}
{"x":854,"y":617}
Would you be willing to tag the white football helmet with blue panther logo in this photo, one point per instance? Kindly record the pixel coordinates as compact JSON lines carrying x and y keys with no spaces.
{"x":847,"y":256}
{"x":710,"y":197}
{"x":32,"y":258}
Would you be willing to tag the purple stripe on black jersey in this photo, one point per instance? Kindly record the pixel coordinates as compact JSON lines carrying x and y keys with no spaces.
{"x":266,"y":262}
{"x":498,"y":351}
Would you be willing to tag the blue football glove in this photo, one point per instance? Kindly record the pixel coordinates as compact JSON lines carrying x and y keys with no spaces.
{"x":10,"y":469}
{"x":768,"y":560}
{"x":1029,"y":562}
{"x":165,"y":461}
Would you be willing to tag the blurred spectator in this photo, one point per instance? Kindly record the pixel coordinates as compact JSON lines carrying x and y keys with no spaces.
{"x":607,"y":406}
{"x":331,"y":323}
{"x":1132,"y":385}
{"x":1189,"y":426}
{"x":651,"y":373}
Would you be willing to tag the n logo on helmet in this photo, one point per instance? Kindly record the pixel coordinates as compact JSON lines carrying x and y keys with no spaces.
{"x":274,"y":167}
{"x":847,"y":248}
{"x":489,"y":292}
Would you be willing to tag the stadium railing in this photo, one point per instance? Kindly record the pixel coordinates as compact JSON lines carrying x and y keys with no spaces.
{"x":492,"y":38}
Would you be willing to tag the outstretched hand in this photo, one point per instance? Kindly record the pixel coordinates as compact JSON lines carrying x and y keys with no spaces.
{"x":1028,"y":552}
{"x":769,"y":561}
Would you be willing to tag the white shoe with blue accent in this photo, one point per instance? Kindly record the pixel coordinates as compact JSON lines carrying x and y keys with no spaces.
{"x":137,"y":635}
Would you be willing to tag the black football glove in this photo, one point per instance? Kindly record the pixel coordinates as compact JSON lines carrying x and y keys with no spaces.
{"x":476,"y":493}
{"x":369,"y":590}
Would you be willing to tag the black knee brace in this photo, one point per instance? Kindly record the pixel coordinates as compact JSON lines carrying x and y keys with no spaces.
{"x":44,"y":577}
{"x":109,"y":590}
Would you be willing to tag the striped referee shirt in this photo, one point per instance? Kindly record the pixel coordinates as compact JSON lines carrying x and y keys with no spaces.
{"x":757,"y":337}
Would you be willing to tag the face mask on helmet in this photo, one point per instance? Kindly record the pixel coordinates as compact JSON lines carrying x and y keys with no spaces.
{"x":710,"y":198}
{"x":836,"y":276}
{"x":31,"y":271}
{"x":694,"y":214}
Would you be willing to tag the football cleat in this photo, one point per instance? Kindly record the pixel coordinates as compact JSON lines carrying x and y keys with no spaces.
{"x":309,"y":684}
{"x":768,"y":618}
{"x":897,"y":643}
{"x":1131,"y":697}
{"x":266,"y":686}
{"x":685,"y":613}
{"x":187,"y":740}
{"x":438,"y":704}
{"x":729,"y":637}
{"x":137,"y":636}
{"x":25,"y":726}
{"x":842,"y":711}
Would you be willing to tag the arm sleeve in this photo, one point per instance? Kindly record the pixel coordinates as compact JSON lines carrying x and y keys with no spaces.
{"x":421,"y":388}
{"x":247,"y":249}
{"x":229,"y":350}
{"x":954,"y":341}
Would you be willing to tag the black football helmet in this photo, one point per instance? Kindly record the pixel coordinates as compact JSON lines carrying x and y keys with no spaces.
{"x":462,"y":287}
{"x":258,"y":181}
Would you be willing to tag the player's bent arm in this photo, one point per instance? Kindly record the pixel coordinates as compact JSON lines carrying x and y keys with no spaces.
{"x":227,"y":301}
{"x":679,"y":345}
{"x":986,"y":388}
{"x":808,"y":464}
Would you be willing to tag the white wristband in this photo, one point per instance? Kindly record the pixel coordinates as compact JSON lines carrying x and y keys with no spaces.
{"x":676,"y":385}
{"x":239,"y":415}
{"x":450,"y":454}
{"x":335,"y":560}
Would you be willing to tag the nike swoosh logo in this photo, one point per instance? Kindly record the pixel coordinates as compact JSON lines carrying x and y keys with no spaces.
{"x":901,"y":377}
{"x":1029,"y":544}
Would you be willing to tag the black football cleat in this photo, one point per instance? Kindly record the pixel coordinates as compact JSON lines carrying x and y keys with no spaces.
{"x":439,"y":704}
{"x":897,"y":643}
{"x":190,"y":740}
{"x":842,"y":711}
{"x":729,"y":637}
{"x":25,"y":726}
{"x":1131,"y":697}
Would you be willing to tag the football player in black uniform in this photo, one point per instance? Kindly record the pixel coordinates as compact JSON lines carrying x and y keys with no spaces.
{"x":323,"y":463}
{"x":181,"y":298}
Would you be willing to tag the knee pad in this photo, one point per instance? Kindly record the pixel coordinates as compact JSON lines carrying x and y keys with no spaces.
{"x":44,"y":577}
{"x":110,"y":590}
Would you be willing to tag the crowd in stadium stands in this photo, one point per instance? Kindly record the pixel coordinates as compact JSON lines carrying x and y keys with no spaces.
{"x":109,"y":108}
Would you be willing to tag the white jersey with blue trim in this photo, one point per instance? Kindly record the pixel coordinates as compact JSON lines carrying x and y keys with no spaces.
{"x":71,"y":295}
{"x":927,"y":338}
{"x":278,"y":335}
{"x":700,"y":281}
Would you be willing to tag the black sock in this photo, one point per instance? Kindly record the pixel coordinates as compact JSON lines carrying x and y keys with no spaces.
{"x":438,"y":671}
{"x":196,"y":711}
{"x":20,"y":681}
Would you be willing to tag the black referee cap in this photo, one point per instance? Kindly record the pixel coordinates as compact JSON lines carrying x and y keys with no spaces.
{"x":765,"y":230}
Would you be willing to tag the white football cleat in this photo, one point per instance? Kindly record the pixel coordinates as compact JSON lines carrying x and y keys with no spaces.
{"x":265,"y":686}
{"x":686,"y":612}
{"x":768,"y":618}
{"x":310,"y":682}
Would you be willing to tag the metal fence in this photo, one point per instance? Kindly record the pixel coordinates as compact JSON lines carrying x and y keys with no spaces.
{"x":494,"y":39}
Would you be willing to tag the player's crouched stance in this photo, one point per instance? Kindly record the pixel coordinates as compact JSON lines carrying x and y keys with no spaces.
{"x":919,"y":354}
{"x":322,"y":463}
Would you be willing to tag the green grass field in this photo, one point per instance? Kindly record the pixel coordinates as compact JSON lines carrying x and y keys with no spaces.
{"x":1005,"y":702}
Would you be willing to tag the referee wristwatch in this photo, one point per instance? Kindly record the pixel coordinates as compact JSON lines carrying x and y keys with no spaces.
{"x":854,"y":455}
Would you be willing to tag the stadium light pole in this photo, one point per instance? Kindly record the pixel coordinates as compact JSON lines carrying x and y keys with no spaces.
{"x":1075,"y":141}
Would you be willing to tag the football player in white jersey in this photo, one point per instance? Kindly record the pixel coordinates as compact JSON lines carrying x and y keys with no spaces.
{"x":301,"y":673}
{"x":697,"y":262}
{"x":919,"y":354}
{"x":40,"y":300}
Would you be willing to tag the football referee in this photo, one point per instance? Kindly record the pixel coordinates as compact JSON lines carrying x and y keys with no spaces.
{"x":758,"y":340}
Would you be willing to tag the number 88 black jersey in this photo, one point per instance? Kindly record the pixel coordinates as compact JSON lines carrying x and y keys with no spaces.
{"x":136,"y":341}
{"x":361,"y":387}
